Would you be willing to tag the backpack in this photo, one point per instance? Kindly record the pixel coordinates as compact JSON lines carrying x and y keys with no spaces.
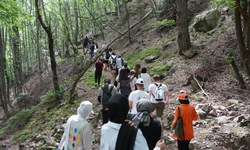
{"x":106,"y":96}
{"x":178,"y":126}
{"x":113,"y":65}
{"x":107,"y":55}
{"x":159,"y":93}
{"x":125,"y":87}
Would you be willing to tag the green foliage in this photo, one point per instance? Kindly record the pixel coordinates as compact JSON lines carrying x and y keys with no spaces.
{"x":160,"y":70}
{"x":223,"y":3}
{"x":166,"y":22}
{"x":137,"y":56}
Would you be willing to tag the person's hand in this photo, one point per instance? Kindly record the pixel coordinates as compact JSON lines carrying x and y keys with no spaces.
{"x":161,"y":144}
{"x":131,"y":123}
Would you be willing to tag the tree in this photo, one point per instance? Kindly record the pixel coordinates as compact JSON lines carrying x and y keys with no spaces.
{"x":183,"y":38}
{"x":47,"y":29}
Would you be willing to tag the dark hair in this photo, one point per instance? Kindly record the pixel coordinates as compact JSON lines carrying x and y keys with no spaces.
{"x":143,"y":70}
{"x":107,"y":81}
{"x":113,"y":53}
{"x":137,"y":68}
{"x":156,"y":77}
{"x":110,"y":49}
{"x":123,"y":75}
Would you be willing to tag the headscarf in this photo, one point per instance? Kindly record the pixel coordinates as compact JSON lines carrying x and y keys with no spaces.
{"x":83,"y":112}
{"x":118,"y":108}
{"x":143,"y":113}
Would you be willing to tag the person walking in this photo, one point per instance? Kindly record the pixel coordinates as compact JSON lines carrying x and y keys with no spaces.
{"x":124,"y":85}
{"x":78,"y":132}
{"x":98,"y":71}
{"x":113,"y":67}
{"x":188,"y":115}
{"x":118,"y":134}
{"x":104,"y":94}
{"x":150,"y":127}
{"x":146,"y":78}
{"x":135,"y":96}
{"x":159,"y":96}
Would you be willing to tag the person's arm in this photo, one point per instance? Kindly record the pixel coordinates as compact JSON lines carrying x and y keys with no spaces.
{"x":150,"y":93}
{"x":130,"y":104}
{"x":131,"y":86}
{"x":195,"y":116}
{"x":167,"y":96}
{"x":118,"y":86}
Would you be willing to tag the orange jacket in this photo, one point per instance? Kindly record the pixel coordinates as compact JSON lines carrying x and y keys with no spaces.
{"x":188,"y":115}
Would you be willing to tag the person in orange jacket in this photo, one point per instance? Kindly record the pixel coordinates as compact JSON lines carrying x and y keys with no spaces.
{"x":188,"y":115}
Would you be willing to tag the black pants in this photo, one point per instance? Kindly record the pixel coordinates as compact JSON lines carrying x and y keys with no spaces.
{"x":183,"y":145}
{"x":105,"y":116}
{"x":98,"y":76}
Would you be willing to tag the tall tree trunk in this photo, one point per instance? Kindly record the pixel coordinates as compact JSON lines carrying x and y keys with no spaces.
{"x":183,"y":38}
{"x":38,"y":49}
{"x":17,"y":60}
{"x":51,"y":52}
{"x":238,"y":75}
{"x":76,"y":23}
{"x":240,"y":40}
{"x":2,"y":77}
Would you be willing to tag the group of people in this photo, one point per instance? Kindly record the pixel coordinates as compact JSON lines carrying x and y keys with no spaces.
{"x":128,"y":101}
{"x":90,"y":45}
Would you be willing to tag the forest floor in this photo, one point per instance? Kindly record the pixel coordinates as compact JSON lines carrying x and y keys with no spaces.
{"x":220,"y":85}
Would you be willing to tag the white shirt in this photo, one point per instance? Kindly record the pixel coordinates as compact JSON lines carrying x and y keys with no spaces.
{"x":109,"y":134}
{"x":135,"y":96}
{"x":119,"y":62}
{"x":111,"y":60}
{"x":152,"y":88}
{"x":133,"y":81}
{"x":146,"y":80}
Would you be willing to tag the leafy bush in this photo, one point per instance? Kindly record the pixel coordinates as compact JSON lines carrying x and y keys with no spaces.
{"x":166,"y":22}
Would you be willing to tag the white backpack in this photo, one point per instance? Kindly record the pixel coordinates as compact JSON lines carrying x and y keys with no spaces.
{"x":159,"y":93}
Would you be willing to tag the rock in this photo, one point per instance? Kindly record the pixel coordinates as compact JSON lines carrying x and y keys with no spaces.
{"x":151,"y":59}
{"x":199,"y":106}
{"x":190,"y":53}
{"x":213,"y":113}
{"x":195,"y":87}
{"x":241,"y":118}
{"x":170,"y":117}
{"x":245,"y":123}
{"x":205,"y":108}
{"x":201,"y":114}
{"x":80,"y":95}
{"x":207,"y":20}
{"x":232,"y":101}
{"x":222,"y":119}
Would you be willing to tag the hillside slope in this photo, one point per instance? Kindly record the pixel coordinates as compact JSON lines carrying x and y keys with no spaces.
{"x":212,"y":130}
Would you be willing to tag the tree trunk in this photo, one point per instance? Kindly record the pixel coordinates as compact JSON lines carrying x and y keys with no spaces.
{"x":17,"y":60}
{"x":76,"y":23}
{"x":2,"y":77}
{"x":38,"y":49}
{"x":238,"y":75}
{"x":183,"y":38}
{"x":51,"y":52}
{"x":240,"y":40}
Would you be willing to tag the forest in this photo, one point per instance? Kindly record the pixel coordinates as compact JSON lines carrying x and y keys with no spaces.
{"x":199,"y":46}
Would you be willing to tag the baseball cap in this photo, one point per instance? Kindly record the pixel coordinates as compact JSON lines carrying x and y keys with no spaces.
{"x":140,"y":81}
{"x":183,"y":96}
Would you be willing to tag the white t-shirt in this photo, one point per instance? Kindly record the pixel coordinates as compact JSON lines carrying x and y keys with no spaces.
{"x":152,"y":88}
{"x":109,"y":133}
{"x":135,"y":96}
{"x":146,"y":80}
{"x":119,"y":62}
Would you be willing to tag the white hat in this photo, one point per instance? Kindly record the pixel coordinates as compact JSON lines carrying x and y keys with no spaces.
{"x":140,"y":81}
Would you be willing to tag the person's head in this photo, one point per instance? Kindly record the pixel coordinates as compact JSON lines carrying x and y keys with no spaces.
{"x":110,"y":49}
{"x":143,"y":70}
{"x":85,"y":109}
{"x":113,"y":53}
{"x":137,"y":68}
{"x":132,"y":72}
{"x":143,"y":112}
{"x":123,"y":75}
{"x":118,"y":108}
{"x":139,"y":84}
{"x":107,"y":80}
{"x":125,"y":64}
{"x":183,"y":98}
{"x":156,"y":78}
{"x":119,"y":55}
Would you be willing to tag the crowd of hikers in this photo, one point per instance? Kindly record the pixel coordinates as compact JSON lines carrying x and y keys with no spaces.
{"x":128,"y":101}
